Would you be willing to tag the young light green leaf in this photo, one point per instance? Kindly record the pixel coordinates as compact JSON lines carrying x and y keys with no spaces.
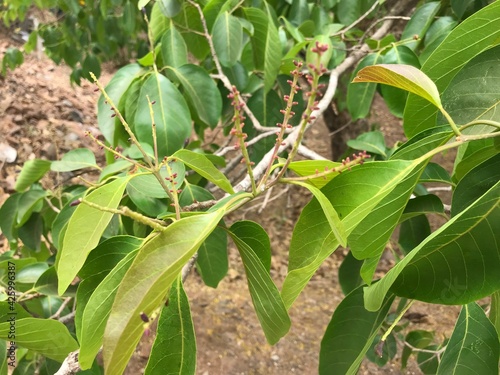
{"x":447,"y":60}
{"x":80,"y":238}
{"x":266,"y":298}
{"x":142,"y":3}
{"x":227,"y":35}
{"x":212,"y":262}
{"x":174,"y":348}
{"x":47,"y":337}
{"x":147,"y":281}
{"x":171,"y":115}
{"x":360,"y":97}
{"x":97,"y":309}
{"x":350,"y":334}
{"x":266,"y":45}
{"x":402,"y":76}
{"x":458,"y":261}
{"x":201,"y":92}
{"x":473,"y":347}
{"x":32,"y":171}
{"x":75,"y":159}
{"x":204,"y":167}
{"x":331,"y":215}
{"x":173,"y":48}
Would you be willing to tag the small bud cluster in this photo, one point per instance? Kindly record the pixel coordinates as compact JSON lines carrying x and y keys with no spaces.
{"x":238,"y":120}
{"x":347,"y":164}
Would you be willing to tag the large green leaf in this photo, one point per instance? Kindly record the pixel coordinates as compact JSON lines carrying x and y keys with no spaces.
{"x":372,"y":142}
{"x":402,"y":76}
{"x":97,"y":310}
{"x":147,"y":281}
{"x":473,"y":94}
{"x":473,"y":347}
{"x":360,"y":96}
{"x":110,"y":126}
{"x":212,"y":262}
{"x":174,"y":348}
{"x":350,"y":334}
{"x":458,"y":261}
{"x":173,"y":48}
{"x":201,"y":93}
{"x":204,"y":167}
{"x":370,"y":236}
{"x":171,"y":115}
{"x":257,"y":238}
{"x":495,"y":311}
{"x":85,"y":228}
{"x":227,"y":35}
{"x":29,"y":202}
{"x":475,"y":183}
{"x":75,"y":159}
{"x":331,"y":215}
{"x":32,"y":171}
{"x":266,"y":298}
{"x":475,"y":34}
{"x":313,"y":240}
{"x":312,"y":167}
{"x":8,"y":217}
{"x":349,"y":11}
{"x":48,"y":337}
{"x":266,"y":45}
{"x":189,"y":22}
{"x":471,"y":154}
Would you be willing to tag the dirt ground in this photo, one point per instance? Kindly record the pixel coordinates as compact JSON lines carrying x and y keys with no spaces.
{"x":41,"y":116}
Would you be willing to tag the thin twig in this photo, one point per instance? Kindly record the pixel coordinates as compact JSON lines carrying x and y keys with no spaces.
{"x":61,"y":308}
{"x":367,"y":13}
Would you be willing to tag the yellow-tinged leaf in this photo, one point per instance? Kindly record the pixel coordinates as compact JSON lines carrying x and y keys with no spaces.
{"x":405,"y":77}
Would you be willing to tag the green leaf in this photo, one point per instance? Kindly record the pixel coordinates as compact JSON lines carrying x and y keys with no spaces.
{"x":458,"y":261}
{"x":266,"y":45}
{"x":147,"y":281}
{"x":475,"y":183}
{"x":204,"y":167}
{"x":97,"y":309}
{"x":201,"y":93}
{"x":311,"y":167}
{"x":145,"y":203}
{"x":171,"y":115}
{"x":402,"y":76}
{"x":266,"y":298}
{"x":142,"y":3}
{"x":188,"y":20}
{"x":331,"y":215}
{"x":360,"y":97}
{"x":382,"y":220}
{"x":227,"y":35}
{"x":32,"y":171}
{"x":313,"y":240}
{"x":212,"y":262}
{"x":350,"y":334}
{"x":158,"y":23}
{"x":495,"y":311}
{"x":349,"y":277}
{"x":173,"y":48}
{"x":471,"y":154}
{"x":473,"y":93}
{"x":91,"y":64}
{"x":193,"y":193}
{"x":31,"y":273}
{"x":373,"y":142}
{"x":8,"y":217}
{"x":349,"y":11}
{"x":422,"y":143}
{"x":75,"y":159}
{"x":473,"y":346}
{"x":47,"y":337}
{"x":434,"y":172}
{"x":170,"y":8}
{"x":174,"y":348}
{"x":467,"y":40}
{"x":412,"y":232}
{"x":420,"y":22}
{"x":29,"y":202}
{"x":425,"y":204}
{"x":418,"y":339}
{"x":256,"y":237}
{"x":85,"y":228}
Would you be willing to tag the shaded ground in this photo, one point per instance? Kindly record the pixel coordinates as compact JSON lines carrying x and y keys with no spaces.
{"x":42,"y":116}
